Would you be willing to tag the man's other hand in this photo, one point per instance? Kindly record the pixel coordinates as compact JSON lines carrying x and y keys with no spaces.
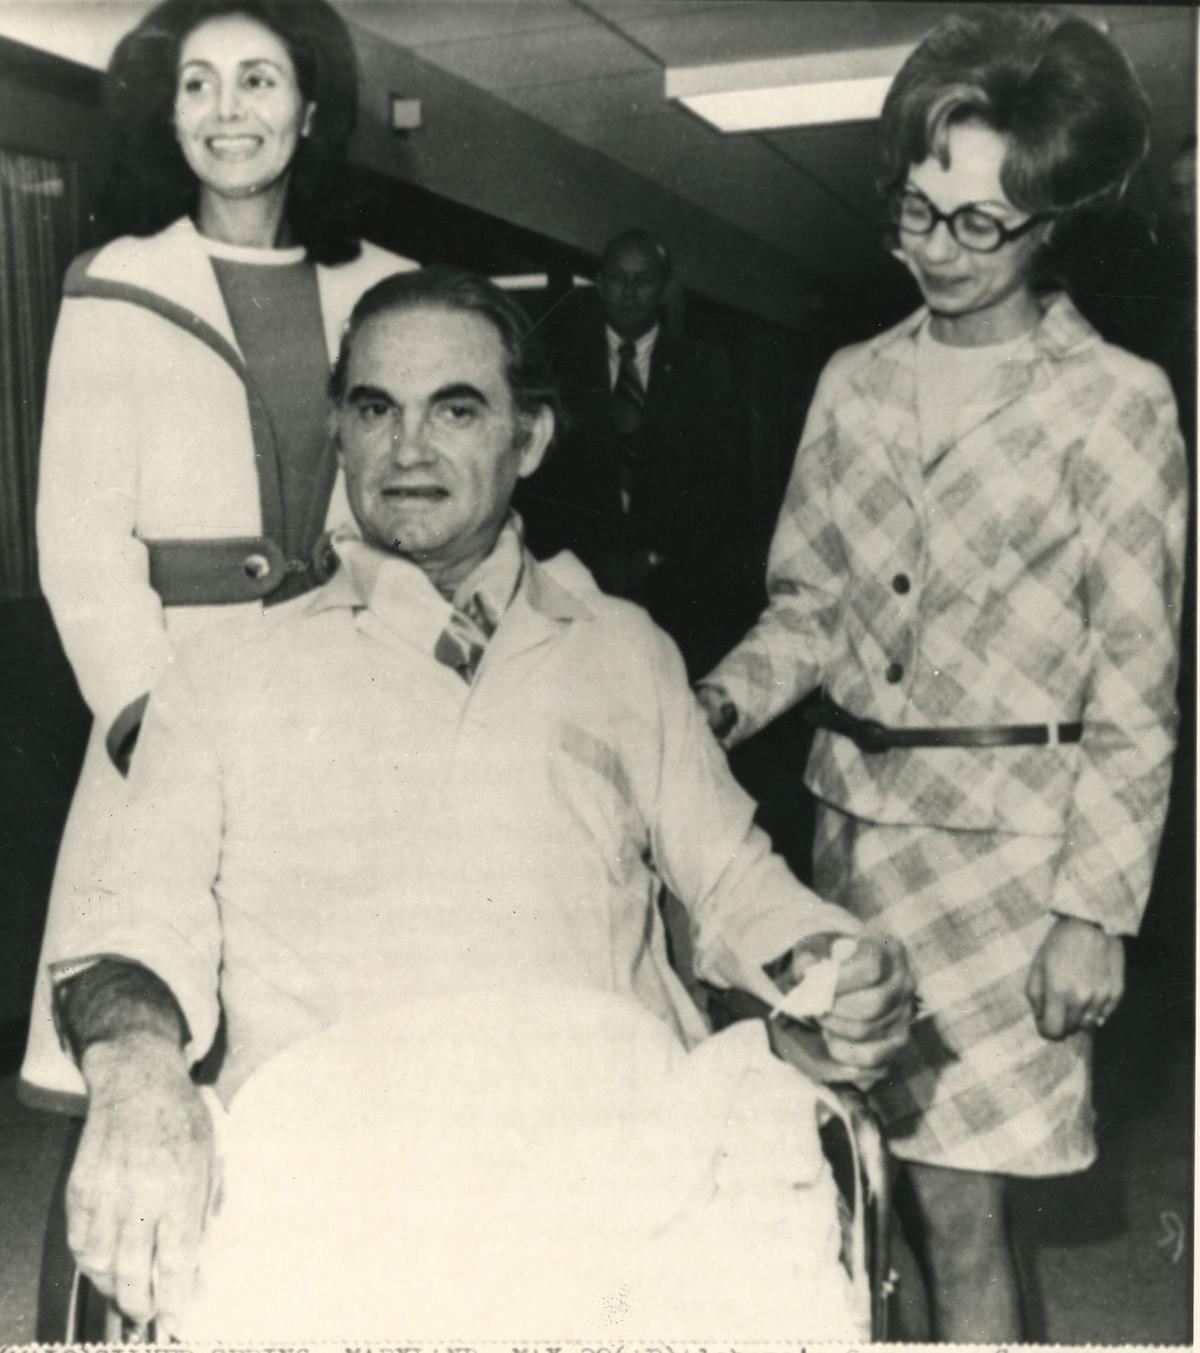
{"x":140,"y":1188}
{"x":872,"y":1005}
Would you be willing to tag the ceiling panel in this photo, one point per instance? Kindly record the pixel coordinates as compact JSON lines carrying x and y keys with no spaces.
{"x":580,"y":52}
{"x":625,"y":12}
{"x":592,"y":70}
{"x":841,"y":159}
{"x":744,"y":184}
{"x":624,"y":98}
{"x":85,"y":31}
{"x":683,"y":35}
{"x":1161,"y":49}
{"x":426,"y":23}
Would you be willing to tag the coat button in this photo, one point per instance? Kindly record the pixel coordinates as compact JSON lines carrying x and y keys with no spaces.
{"x":900,"y":583}
{"x":256,"y":566}
{"x":894,"y":672}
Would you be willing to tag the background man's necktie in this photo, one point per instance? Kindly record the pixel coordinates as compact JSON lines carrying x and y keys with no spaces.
{"x":628,"y":396}
{"x":628,"y":401}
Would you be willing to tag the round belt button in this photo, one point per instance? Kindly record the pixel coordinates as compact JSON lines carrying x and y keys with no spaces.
{"x":894,"y":672}
{"x":900,"y":583}
{"x":256,"y":566}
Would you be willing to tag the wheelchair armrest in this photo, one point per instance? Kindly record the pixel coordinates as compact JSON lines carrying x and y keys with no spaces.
{"x":94,"y":1319}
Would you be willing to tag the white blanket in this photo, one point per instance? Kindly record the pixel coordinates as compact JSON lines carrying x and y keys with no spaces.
{"x":534,"y":1166}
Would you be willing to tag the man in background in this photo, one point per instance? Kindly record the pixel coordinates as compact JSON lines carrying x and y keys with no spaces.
{"x":647,"y":483}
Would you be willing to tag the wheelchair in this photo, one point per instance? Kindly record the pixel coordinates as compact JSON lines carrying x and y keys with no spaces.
{"x":850,"y":1143}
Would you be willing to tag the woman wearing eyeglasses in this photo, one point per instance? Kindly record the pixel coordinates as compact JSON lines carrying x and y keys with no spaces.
{"x":979,"y":560}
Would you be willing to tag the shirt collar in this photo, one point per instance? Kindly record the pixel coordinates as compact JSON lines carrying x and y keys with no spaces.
{"x":383,"y":582}
{"x":1063,"y":329}
{"x":1060,"y":330}
{"x":493,"y":582}
{"x":642,"y":347}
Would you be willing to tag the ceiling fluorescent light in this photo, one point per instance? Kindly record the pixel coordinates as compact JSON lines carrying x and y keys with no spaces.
{"x":522,"y":281}
{"x":534,"y":281}
{"x":791,"y":105}
{"x":798,"y":91}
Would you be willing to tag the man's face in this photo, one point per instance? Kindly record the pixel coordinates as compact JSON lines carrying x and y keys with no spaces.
{"x":430,"y":440}
{"x":632,"y":283}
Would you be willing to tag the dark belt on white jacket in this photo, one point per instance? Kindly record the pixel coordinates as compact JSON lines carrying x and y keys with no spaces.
{"x":229,"y":570}
{"x":871,"y":736}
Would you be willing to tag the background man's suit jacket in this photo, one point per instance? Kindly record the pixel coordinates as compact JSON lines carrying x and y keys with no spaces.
{"x":689,"y":498}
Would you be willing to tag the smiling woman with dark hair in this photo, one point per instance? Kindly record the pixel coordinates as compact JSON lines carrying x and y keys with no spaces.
{"x":152,"y":181}
{"x":186,"y":466}
{"x":980,"y":560}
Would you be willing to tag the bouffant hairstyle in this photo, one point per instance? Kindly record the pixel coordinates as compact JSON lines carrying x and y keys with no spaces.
{"x":1052,"y":83}
{"x":441,"y":287}
{"x":150,"y":184}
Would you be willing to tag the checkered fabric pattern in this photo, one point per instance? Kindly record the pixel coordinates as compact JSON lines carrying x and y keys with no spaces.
{"x":977,"y":1087}
{"x":461,"y":645}
{"x":1032,"y":574}
{"x":479,"y":602}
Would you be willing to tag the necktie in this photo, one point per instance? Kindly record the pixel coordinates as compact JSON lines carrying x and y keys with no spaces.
{"x":628,"y":396}
{"x":628,"y":401}
{"x":462,"y":643}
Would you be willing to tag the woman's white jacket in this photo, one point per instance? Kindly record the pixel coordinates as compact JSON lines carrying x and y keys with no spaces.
{"x":148,"y":436}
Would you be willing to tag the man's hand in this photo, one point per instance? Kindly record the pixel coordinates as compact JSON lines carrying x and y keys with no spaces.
{"x":1077,"y":977}
{"x":139,"y":1191}
{"x":872,"y":1009}
{"x":872,"y":1006}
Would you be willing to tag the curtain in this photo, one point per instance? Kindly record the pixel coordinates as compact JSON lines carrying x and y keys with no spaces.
{"x":39,"y":234}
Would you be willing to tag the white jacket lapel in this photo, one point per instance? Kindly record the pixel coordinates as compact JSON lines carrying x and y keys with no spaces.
{"x":173,"y":265}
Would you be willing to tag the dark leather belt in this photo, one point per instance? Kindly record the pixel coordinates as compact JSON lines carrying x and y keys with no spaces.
{"x":870,"y":736}
{"x":226,"y":571}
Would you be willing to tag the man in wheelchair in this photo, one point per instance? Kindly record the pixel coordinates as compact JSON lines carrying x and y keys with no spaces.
{"x":451,"y":779}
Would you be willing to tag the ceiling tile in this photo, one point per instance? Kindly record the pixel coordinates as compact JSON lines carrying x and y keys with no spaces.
{"x":608,"y":99}
{"x":584,"y":52}
{"x":422,"y":23}
{"x":1161,"y":47}
{"x":683,"y":35}
{"x":745,"y":184}
{"x":80,"y":30}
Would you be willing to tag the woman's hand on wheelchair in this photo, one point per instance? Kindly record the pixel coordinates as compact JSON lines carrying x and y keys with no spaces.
{"x":140,"y":1188}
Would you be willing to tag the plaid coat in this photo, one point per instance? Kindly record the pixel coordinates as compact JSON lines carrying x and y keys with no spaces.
{"x":1029,"y":571}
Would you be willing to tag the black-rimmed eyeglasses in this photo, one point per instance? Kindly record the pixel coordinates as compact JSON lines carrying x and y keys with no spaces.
{"x":971,"y":226}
